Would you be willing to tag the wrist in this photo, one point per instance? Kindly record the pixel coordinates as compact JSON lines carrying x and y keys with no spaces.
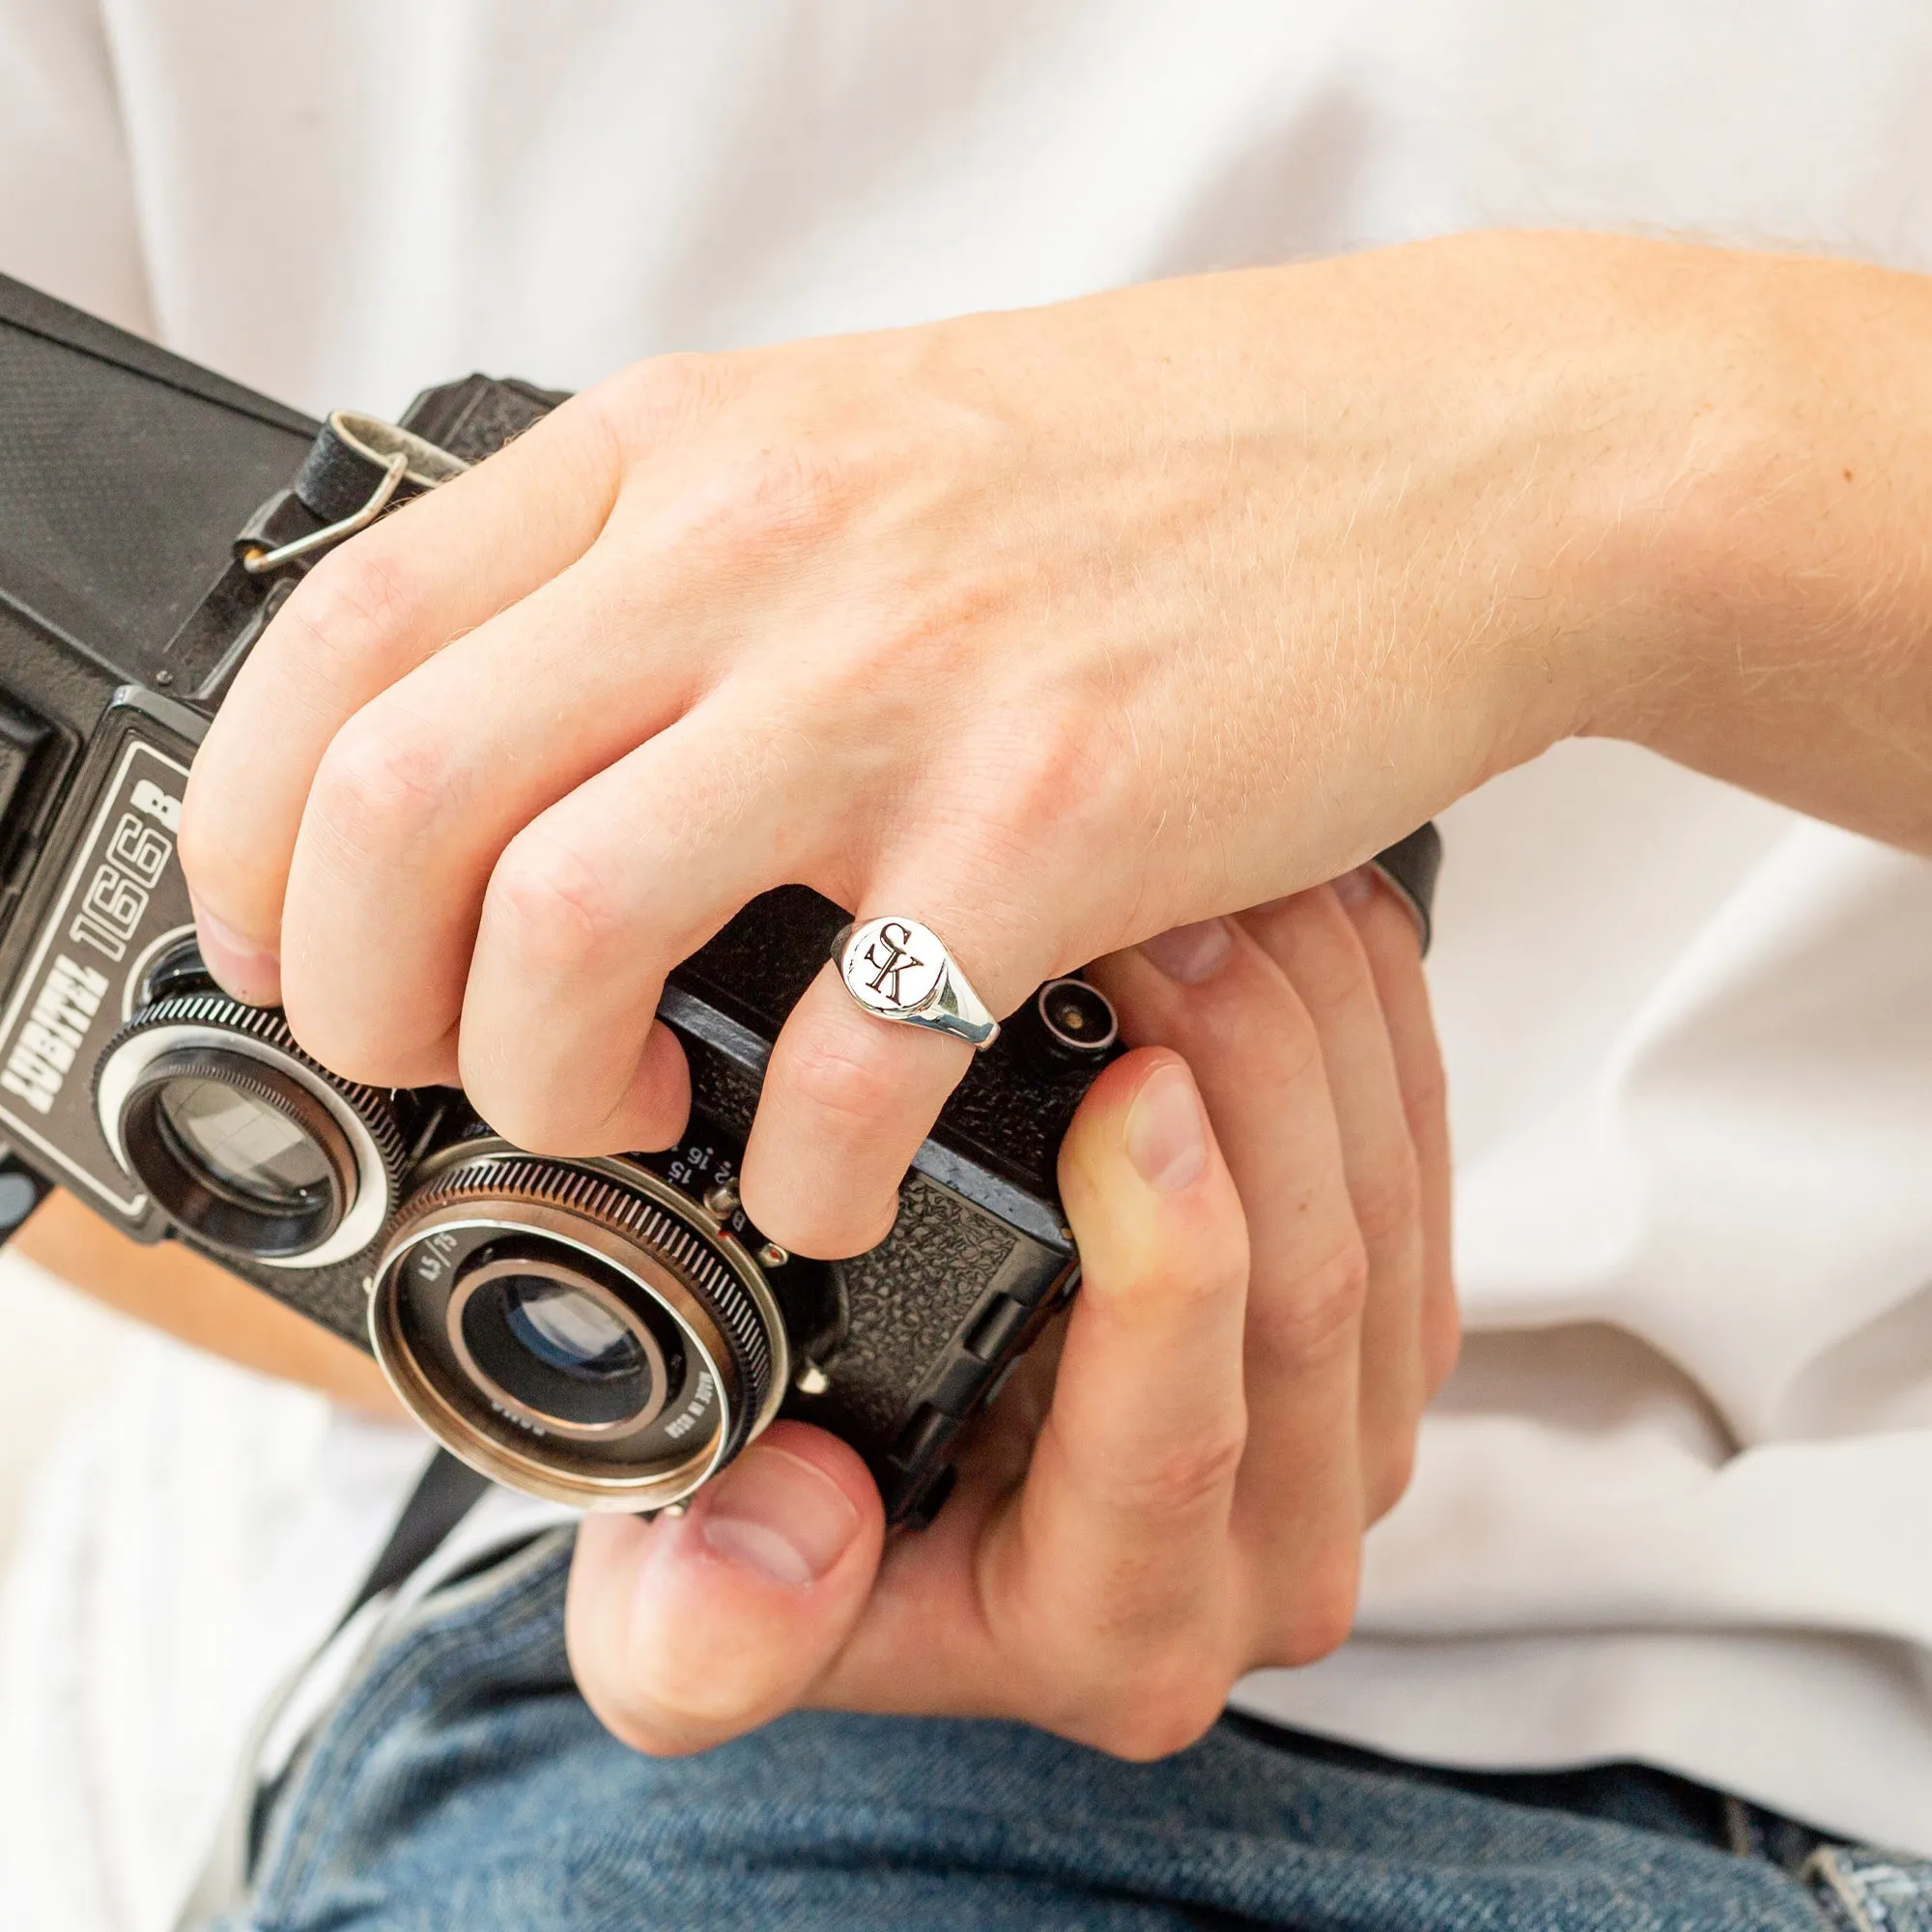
{"x":1761,"y":561}
{"x":1661,"y":446}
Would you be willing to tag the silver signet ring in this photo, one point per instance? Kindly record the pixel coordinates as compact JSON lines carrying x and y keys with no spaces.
{"x":898,"y":970}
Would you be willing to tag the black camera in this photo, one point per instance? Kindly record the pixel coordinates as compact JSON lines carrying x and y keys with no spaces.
{"x":605,"y":1332}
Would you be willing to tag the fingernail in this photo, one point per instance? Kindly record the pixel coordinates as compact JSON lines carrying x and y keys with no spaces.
{"x":1191,"y":953}
{"x":1358,"y":888}
{"x":773,"y":1514}
{"x":1167,"y":1140}
{"x":240,"y":966}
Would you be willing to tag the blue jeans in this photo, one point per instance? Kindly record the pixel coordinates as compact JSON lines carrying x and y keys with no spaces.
{"x":460,"y":1782}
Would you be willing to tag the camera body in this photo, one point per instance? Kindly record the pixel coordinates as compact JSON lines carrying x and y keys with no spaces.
{"x":607,"y":1332}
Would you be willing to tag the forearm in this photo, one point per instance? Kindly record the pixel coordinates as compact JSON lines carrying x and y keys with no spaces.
{"x":171,"y":1287}
{"x":1771,"y":523}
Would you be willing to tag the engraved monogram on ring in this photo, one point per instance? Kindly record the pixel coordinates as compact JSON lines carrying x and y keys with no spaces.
{"x":898,"y":970}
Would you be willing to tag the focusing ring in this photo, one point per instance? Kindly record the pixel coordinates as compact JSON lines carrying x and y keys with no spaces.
{"x":631,"y":1214}
{"x":209,"y":1020}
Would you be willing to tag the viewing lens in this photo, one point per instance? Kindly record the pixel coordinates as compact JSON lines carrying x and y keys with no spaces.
{"x":244,"y":1143}
{"x":239,"y":1138}
{"x":558,"y":1351}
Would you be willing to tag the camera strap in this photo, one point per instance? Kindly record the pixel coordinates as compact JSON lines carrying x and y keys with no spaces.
{"x":360,"y":466}
{"x":352,"y":456}
{"x":443,"y":1495}
{"x":442,"y":1499}
{"x":1410,"y":867}
{"x":356,"y":468}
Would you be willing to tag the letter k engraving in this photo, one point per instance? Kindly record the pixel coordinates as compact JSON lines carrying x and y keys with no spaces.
{"x":891,"y":956}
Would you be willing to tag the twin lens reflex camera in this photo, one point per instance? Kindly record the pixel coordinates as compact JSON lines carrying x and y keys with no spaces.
{"x":607,"y":1333}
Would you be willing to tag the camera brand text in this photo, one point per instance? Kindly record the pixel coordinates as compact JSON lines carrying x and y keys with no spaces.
{"x":44,"y":1055}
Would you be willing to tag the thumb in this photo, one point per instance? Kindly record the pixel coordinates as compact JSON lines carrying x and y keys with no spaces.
{"x":686,"y":1630}
{"x":1149,"y":1414}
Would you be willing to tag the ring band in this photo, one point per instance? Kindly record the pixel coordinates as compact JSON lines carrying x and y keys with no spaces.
{"x":898,"y":970}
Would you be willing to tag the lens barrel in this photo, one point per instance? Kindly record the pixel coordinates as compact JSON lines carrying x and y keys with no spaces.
{"x":581,"y":1330}
{"x":242,"y":1139}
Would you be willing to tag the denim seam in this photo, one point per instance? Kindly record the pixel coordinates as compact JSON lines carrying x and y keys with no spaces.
{"x":1196,"y":1876}
{"x":1855,"y":1879}
{"x":413,"y":1665}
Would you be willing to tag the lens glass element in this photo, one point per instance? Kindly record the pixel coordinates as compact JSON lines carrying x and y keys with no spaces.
{"x":564,"y":1328}
{"x":560,"y":1351}
{"x":243,"y":1143}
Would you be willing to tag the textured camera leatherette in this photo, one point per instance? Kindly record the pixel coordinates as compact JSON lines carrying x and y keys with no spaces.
{"x":121,"y":485}
{"x":907,"y":1299}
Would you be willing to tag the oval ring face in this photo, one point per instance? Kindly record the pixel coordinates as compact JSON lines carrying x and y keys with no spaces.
{"x":894,"y":967}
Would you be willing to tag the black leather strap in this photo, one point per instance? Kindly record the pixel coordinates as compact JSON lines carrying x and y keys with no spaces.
{"x":350,"y":457}
{"x":1411,"y":865}
{"x":443,"y":1495}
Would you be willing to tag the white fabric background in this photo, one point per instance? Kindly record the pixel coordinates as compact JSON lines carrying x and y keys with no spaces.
{"x":1672,"y":1506}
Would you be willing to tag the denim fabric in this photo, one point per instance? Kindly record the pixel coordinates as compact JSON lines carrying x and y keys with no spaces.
{"x":462,"y":1782}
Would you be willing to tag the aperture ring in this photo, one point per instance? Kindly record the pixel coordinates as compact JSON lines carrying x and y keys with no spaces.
{"x":631,"y":1214}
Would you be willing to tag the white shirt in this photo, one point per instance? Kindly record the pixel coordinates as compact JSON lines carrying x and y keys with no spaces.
{"x":1671,"y":1507}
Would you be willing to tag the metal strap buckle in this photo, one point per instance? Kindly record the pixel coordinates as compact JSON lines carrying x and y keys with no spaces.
{"x":361,"y":446}
{"x":259,"y":562}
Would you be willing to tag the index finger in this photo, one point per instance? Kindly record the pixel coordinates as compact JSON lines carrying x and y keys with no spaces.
{"x":365,"y":615}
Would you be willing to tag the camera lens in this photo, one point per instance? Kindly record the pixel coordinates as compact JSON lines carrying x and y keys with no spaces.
{"x":547,"y":1338}
{"x":582,"y":1330}
{"x":242,"y":1140}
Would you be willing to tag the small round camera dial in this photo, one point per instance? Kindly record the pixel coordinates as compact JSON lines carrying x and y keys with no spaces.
{"x":1078,"y":1020}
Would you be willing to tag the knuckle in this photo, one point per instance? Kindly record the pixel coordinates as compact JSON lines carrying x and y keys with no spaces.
{"x":846,"y":1074}
{"x":1387,"y":1199}
{"x":1277,"y":1044}
{"x":556,"y":905}
{"x":1164,"y":1716}
{"x":1181,"y":1292}
{"x":1185,"y":1480}
{"x":1304,"y":1320}
{"x":1326,"y":958}
{"x":772,"y":497}
{"x":1039,"y":780}
{"x":780,"y":480}
{"x":1318,"y":1611}
{"x":1035,"y":763}
{"x":355,"y":605}
{"x":1160,"y":1285}
{"x":1391,"y":1468}
{"x":652,"y":398}
{"x":1424,"y":1096}
{"x":380,"y":780}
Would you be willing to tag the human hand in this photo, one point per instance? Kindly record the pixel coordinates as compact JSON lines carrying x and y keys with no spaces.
{"x":1180,"y":1496}
{"x":1053,"y":630}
